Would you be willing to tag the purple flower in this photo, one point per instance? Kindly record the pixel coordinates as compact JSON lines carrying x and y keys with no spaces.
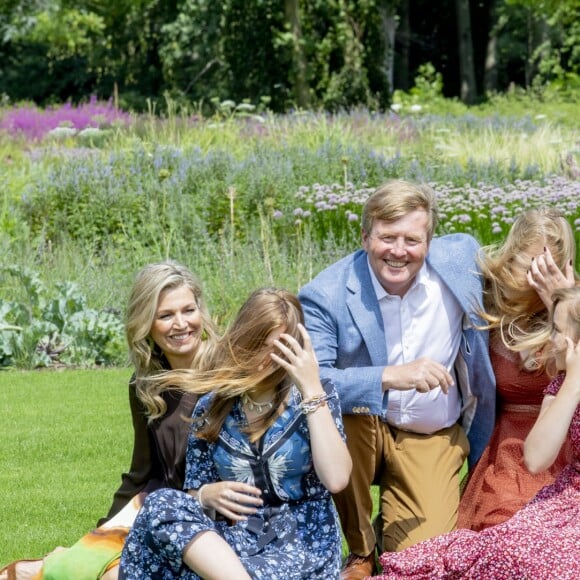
{"x":33,"y":123}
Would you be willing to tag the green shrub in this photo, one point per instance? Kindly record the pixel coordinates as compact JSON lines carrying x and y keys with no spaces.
{"x":42,"y":330}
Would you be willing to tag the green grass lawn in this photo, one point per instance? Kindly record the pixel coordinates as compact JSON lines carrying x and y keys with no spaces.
{"x":65,"y":439}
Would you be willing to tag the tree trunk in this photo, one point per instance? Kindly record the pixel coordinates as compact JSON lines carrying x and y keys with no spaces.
{"x":404,"y":41}
{"x":300,"y":80}
{"x":541,"y":49}
{"x":530,"y":49}
{"x":490,"y":72}
{"x":466,"y":65}
{"x":538,"y":43}
{"x":389,"y":27}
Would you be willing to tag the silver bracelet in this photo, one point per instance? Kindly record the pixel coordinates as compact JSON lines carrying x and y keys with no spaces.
{"x":204,"y":507}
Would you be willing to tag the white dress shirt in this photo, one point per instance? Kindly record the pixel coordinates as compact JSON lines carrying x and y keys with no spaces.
{"x":425,"y":322}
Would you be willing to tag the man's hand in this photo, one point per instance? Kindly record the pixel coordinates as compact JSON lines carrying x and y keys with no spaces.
{"x":422,"y":375}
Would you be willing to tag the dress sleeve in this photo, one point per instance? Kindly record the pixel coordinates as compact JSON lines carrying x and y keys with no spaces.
{"x":141,"y":468}
{"x":555,"y":384}
{"x":334,"y":405}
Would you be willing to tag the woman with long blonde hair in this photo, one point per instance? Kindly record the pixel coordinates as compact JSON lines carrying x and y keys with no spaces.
{"x":265,"y":453}
{"x":520,"y":275}
{"x":167,"y":327}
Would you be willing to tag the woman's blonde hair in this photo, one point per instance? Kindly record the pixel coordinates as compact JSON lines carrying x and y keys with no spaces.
{"x":146,"y":357}
{"x":511,"y":304}
{"x":241,"y":363}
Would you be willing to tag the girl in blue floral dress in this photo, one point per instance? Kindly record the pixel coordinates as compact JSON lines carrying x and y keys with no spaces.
{"x":265,"y":453}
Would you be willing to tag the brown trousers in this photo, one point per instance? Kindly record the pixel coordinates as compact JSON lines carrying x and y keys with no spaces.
{"x":418,"y":477}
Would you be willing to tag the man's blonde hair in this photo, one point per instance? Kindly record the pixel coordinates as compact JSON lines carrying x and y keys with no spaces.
{"x":397,"y":198}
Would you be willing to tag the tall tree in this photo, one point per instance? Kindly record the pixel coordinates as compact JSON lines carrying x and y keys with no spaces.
{"x":404,"y":47}
{"x":299,"y":69}
{"x":491,"y":65}
{"x":388,"y":20}
{"x":468,"y":88}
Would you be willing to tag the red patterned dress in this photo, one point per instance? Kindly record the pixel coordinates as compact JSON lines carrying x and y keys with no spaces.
{"x":542,"y":540}
{"x":500,"y":485}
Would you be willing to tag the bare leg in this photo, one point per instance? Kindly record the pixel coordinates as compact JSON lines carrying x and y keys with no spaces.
{"x":111,"y":574}
{"x":26,"y":569}
{"x":223,"y":563}
{"x":21,"y":569}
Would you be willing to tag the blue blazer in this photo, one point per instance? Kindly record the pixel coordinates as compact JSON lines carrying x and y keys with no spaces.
{"x":346,"y":326}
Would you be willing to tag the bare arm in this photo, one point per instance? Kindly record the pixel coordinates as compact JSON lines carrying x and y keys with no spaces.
{"x":547,"y":436}
{"x":330,"y":455}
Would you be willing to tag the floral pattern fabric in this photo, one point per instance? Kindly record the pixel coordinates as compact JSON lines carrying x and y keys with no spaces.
{"x":542,"y":540}
{"x":295,"y":535}
{"x":500,"y":485}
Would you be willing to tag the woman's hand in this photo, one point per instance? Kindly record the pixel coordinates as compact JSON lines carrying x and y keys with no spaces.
{"x":233,"y":499}
{"x":544,"y":276}
{"x":330,"y":456}
{"x":300,"y":363}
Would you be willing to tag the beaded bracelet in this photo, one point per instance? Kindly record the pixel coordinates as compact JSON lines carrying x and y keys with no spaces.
{"x":310,"y":405}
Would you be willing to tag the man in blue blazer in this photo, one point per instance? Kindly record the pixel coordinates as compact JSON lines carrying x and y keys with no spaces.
{"x":394,"y":327}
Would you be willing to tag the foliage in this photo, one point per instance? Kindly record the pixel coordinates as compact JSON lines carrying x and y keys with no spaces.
{"x":65,"y":32}
{"x":247,"y":198}
{"x":40,"y":330}
{"x":555,"y":30}
{"x":190,"y":52}
{"x":144,"y":193}
{"x":345,"y":52}
{"x":426,"y":94}
{"x":332,"y":54}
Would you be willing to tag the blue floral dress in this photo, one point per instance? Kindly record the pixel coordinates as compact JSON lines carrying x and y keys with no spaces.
{"x":295,"y":534}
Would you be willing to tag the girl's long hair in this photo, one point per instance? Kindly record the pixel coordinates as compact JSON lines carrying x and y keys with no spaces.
{"x":241,"y":361}
{"x":511,"y":305}
{"x":570,"y":299}
{"x":144,"y":354}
